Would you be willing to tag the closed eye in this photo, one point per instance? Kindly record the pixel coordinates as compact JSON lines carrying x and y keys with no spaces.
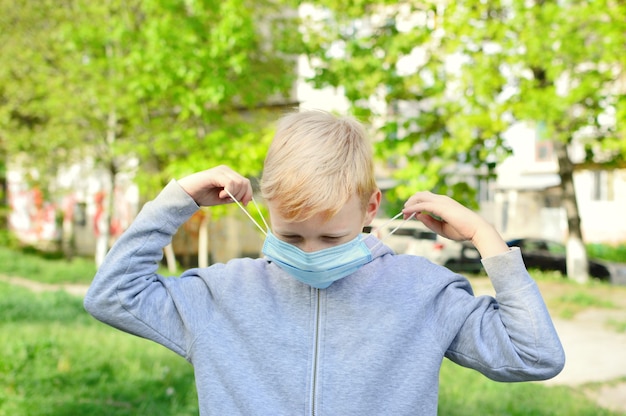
{"x":291,"y":238}
{"x":334,"y":240}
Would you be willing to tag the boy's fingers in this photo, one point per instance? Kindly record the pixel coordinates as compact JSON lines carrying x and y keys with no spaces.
{"x":240,"y":190}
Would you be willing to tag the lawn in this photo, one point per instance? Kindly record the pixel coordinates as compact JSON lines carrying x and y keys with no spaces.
{"x":56,"y":360}
{"x":45,"y":268}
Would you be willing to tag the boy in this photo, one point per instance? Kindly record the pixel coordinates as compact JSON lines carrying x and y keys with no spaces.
{"x":330,"y":321}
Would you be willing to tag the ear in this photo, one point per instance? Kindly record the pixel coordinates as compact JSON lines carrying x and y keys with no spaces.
{"x":372,"y":207}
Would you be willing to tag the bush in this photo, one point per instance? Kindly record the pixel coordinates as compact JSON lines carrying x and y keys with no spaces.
{"x":7,"y":239}
{"x":616,"y":253}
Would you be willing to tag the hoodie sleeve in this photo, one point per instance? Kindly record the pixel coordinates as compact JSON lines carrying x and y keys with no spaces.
{"x":127,"y":293}
{"x":511,"y":337}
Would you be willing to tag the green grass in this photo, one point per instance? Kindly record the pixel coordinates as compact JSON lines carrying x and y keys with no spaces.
{"x":566,"y":298}
{"x":45,"y":268}
{"x":56,"y":360}
{"x":617,"y":325}
{"x":465,"y":392}
{"x":570,"y":304}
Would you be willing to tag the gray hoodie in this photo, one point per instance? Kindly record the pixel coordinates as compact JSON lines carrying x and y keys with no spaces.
{"x":263,"y":343}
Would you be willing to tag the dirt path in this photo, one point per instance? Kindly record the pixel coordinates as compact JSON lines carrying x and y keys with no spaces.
{"x":596,"y":353}
{"x":77,"y":290}
{"x":596,"y":358}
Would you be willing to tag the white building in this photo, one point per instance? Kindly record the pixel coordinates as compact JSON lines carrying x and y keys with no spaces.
{"x":527,"y":202}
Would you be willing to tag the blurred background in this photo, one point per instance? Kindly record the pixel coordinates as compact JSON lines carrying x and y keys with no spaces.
{"x":515,"y":108}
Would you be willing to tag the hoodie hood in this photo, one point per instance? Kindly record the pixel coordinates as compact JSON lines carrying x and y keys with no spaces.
{"x":377,"y":247}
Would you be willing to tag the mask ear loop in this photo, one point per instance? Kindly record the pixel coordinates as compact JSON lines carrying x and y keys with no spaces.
{"x":380,"y":242}
{"x":245,"y":211}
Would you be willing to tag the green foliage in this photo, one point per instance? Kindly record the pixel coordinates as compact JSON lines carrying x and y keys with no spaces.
{"x":147,"y":90}
{"x":551,"y":77}
{"x":616,"y":253}
{"x":447,"y":80}
{"x":7,"y":239}
{"x":165,"y":82}
{"x":392,"y":64}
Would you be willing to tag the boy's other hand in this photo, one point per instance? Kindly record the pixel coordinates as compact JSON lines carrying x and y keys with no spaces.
{"x":208,"y":187}
{"x":450,"y":219}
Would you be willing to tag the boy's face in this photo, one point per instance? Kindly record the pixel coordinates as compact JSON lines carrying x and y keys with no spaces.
{"x":317,"y":232}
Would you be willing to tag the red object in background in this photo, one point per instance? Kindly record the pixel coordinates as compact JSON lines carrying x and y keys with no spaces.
{"x":97,"y":218}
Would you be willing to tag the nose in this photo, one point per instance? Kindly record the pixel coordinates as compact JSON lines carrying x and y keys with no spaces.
{"x":309,"y":246}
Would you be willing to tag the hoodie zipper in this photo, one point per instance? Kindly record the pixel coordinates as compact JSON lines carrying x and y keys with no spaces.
{"x":316,"y":345}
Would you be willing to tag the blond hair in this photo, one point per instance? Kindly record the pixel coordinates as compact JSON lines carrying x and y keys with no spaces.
{"x":316,"y":163}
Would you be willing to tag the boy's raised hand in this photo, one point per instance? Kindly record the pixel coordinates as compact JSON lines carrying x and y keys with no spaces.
{"x":450,"y":219}
{"x":208,"y":187}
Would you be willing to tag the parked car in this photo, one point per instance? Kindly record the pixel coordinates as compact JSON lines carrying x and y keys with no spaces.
{"x":551,"y":255}
{"x":466,"y":259}
{"x":414,"y":238}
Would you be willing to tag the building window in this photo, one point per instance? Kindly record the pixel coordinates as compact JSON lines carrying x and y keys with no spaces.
{"x":484,"y":191}
{"x":544,"y":151}
{"x":552,"y":200}
{"x":601,"y":185}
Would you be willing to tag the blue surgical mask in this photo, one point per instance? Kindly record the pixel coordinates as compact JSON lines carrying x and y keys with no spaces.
{"x":320,"y":268}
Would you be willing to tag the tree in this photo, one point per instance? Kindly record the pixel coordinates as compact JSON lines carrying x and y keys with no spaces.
{"x":452,"y":77}
{"x":3,"y":186}
{"x":562,"y":63}
{"x":388,"y":58}
{"x":178,"y":86}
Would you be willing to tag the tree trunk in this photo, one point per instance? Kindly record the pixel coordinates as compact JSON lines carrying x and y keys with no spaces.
{"x":3,"y":192}
{"x":203,"y":241}
{"x":102,"y":245}
{"x":104,"y":225}
{"x":577,"y":263}
{"x":170,"y":258}
{"x":104,"y":222}
{"x":68,"y":236}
